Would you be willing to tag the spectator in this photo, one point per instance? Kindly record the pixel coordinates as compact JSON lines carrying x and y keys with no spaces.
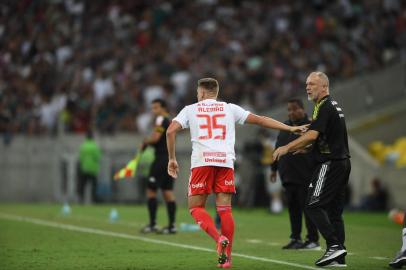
{"x":261,"y":51}
{"x":377,"y":200}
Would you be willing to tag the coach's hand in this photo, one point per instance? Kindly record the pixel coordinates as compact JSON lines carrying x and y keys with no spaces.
{"x":299,"y":129}
{"x":173,"y":168}
{"x":283,"y":150}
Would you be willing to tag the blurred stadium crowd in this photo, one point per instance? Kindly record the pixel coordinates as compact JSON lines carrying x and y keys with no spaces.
{"x":81,"y":64}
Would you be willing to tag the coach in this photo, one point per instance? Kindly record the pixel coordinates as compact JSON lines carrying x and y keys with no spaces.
{"x":295,"y":172}
{"x":326,"y":194}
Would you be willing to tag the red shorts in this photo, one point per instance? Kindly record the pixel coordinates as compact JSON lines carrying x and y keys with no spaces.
{"x":206,"y":179}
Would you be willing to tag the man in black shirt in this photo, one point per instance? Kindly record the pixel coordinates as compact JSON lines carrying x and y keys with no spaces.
{"x":295,"y":172}
{"x":326,"y":194}
{"x":159,"y":177}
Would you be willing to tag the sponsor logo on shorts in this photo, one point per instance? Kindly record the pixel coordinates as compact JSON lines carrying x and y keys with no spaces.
{"x":217,"y":160}
{"x":198,"y":185}
{"x":229,"y":182}
{"x":152,"y":179}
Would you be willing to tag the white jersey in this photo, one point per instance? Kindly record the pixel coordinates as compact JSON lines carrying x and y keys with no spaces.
{"x":212,"y":131}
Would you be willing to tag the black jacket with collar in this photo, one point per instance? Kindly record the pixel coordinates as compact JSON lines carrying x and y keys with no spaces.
{"x":294,"y":169}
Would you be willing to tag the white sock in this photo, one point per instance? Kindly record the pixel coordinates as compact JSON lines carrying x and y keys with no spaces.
{"x":403,"y":239}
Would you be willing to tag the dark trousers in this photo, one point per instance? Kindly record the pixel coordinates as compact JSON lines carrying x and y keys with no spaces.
{"x":296,"y":197}
{"x":326,"y":200}
{"x":84,"y":179}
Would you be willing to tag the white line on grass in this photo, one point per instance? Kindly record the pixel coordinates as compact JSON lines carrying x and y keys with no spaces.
{"x":254,"y":241}
{"x":119,"y":222}
{"x":257,"y":241}
{"x":139,"y":238}
{"x":379,"y":258}
{"x":273,"y":244}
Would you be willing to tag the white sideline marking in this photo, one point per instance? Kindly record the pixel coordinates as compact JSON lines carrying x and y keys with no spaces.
{"x":379,"y":258}
{"x":258,"y":241}
{"x":254,"y":241}
{"x":80,"y":217}
{"x":273,"y":244}
{"x":139,"y":238}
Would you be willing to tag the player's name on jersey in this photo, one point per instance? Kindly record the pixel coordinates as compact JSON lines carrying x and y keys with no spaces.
{"x":210,"y":109}
{"x":217,"y":104}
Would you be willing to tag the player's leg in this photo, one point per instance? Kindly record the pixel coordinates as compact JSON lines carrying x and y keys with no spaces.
{"x":224,"y":188}
{"x":223,"y":204}
{"x":404,"y":233}
{"x":201,"y":216}
{"x":400,"y":258}
{"x":200,"y":186}
{"x":295,"y":217}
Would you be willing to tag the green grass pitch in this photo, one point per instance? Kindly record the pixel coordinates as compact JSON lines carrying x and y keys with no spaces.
{"x":372,"y":240}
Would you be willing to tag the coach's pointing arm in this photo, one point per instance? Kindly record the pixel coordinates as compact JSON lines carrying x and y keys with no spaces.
{"x":302,"y":142}
{"x":268,"y":122}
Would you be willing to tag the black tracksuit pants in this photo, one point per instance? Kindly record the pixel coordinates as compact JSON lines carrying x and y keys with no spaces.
{"x":296,"y":197}
{"x":326,"y":199}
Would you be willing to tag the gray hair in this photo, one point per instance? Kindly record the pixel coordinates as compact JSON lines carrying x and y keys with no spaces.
{"x":322,"y":76}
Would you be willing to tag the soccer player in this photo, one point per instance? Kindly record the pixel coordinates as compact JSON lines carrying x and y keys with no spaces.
{"x":326,"y":194}
{"x":400,"y":259}
{"x":159,"y":177}
{"x":212,"y":131}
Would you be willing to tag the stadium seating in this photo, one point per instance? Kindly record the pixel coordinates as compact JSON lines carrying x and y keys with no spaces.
{"x":394,"y":154}
{"x":103,"y":61}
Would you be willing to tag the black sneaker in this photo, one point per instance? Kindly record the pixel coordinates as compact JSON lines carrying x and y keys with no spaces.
{"x":293,"y":244}
{"x":310,"y":245}
{"x":149,"y":229}
{"x":333,"y":253}
{"x":168,"y":230}
{"x":399,"y":260}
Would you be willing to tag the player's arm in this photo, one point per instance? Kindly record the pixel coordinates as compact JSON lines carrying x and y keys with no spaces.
{"x":173,"y":167}
{"x":300,"y":143}
{"x":268,"y":122}
{"x":318,"y":125}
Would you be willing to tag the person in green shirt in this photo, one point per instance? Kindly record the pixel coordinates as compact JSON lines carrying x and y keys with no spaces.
{"x":89,"y":165}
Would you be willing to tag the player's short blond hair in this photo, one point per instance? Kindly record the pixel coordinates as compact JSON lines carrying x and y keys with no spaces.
{"x":209,"y":84}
